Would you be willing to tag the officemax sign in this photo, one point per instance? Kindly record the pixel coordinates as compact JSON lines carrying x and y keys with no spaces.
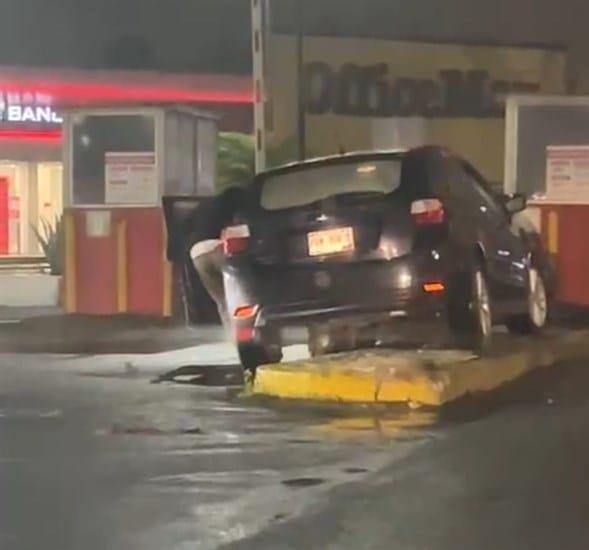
{"x":372,"y":91}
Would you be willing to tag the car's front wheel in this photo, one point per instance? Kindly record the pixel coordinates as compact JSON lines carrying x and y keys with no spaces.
{"x":536,"y":316}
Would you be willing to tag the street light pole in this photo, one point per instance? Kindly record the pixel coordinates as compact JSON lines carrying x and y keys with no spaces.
{"x":301,"y":120}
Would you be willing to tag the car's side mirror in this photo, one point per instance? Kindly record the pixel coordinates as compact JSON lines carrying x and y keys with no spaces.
{"x":515,"y":203}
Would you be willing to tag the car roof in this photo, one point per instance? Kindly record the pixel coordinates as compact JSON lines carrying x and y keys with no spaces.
{"x":360,"y":156}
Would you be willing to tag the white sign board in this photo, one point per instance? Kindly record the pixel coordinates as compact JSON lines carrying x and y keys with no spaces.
{"x":131,"y":178}
{"x":567,"y":173}
{"x":98,"y":223}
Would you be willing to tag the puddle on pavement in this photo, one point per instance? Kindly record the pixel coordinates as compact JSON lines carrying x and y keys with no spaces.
{"x":408,"y":426}
{"x":354,"y":470}
{"x":302,"y":482}
{"x":148,"y":431}
{"x":204,"y":375}
{"x":297,"y":424}
{"x":219,"y":376}
{"x":320,"y":421}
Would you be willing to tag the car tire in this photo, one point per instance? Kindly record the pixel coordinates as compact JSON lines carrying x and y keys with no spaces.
{"x":536,"y":316}
{"x":254,"y":355}
{"x":324,"y":340}
{"x":471,"y":312}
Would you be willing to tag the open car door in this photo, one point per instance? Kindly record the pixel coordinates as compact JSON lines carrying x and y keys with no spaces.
{"x":198,"y":306}
{"x":177,"y":213}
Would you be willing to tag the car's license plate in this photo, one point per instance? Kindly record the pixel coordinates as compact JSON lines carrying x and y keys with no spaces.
{"x":331,"y":241}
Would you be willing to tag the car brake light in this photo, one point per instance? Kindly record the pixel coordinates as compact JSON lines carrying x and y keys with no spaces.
{"x":236,"y":239}
{"x":428,"y":212}
{"x":245,"y":334}
{"x":245,"y":312}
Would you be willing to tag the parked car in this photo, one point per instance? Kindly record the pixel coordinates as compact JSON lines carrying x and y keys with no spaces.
{"x":345,"y":244}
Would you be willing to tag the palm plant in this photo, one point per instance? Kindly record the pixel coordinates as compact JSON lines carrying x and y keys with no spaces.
{"x":236,"y":157}
{"x":50,"y":238}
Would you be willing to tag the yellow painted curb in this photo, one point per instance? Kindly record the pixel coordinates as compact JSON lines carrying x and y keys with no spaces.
{"x":427,"y":378}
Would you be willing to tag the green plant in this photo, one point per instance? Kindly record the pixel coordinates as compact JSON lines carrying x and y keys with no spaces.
{"x":50,"y":238}
{"x":236,"y":157}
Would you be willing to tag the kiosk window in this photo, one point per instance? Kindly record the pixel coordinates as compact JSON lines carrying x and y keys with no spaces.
{"x":94,"y":137}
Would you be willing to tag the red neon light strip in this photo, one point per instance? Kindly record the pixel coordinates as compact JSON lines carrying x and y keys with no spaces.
{"x":110,"y":92}
{"x":35,"y":135}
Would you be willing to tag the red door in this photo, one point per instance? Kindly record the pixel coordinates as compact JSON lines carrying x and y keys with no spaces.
{"x":4,"y":209}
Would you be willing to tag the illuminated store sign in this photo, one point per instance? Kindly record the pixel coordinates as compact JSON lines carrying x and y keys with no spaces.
{"x":27,"y":109}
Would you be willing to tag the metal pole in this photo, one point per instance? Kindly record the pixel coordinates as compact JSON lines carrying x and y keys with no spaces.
{"x":301,"y":120}
{"x":259,"y":12}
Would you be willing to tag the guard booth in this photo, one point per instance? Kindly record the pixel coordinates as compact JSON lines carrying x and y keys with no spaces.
{"x":547,"y":158}
{"x":119,"y":163}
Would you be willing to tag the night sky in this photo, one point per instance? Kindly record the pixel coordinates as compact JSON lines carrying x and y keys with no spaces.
{"x":213,"y":35}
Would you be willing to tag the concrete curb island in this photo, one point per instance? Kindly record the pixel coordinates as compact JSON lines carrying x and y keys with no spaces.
{"x":428,"y":377}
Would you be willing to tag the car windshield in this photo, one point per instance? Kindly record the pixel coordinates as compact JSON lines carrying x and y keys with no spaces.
{"x":316,"y":183}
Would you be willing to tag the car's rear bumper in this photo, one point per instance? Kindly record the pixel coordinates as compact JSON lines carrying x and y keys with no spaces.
{"x":355,"y":294}
{"x":308,"y":313}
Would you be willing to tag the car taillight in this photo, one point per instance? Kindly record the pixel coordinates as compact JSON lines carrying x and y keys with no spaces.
{"x":245,"y":312}
{"x":236,"y":239}
{"x":428,"y":212}
{"x":245,"y":334}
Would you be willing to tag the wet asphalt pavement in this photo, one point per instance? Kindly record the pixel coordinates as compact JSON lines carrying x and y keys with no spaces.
{"x":97,"y":457}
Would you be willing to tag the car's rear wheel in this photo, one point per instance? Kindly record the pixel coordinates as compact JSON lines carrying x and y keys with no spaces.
{"x":471,"y":312}
{"x":253,"y":356}
{"x":324,"y":339}
{"x":536,"y":316}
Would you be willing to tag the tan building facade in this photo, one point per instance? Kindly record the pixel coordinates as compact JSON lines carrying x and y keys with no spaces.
{"x":364,"y":94}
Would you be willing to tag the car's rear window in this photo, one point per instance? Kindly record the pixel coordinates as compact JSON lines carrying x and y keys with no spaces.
{"x":315,"y":183}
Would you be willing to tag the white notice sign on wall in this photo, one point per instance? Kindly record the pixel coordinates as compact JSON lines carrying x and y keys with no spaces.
{"x":567,"y":173}
{"x":131,"y":178}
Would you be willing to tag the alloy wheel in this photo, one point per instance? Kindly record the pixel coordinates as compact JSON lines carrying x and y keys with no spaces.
{"x":482,"y":304}
{"x":537,"y":300}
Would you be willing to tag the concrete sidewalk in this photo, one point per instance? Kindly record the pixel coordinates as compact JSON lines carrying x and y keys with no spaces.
{"x":38,"y":330}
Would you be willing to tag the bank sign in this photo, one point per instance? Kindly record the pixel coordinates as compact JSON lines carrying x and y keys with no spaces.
{"x":27,"y":110}
{"x":372,"y":91}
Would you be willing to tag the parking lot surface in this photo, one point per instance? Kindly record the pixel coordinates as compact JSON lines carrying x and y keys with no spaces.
{"x":93,"y":455}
